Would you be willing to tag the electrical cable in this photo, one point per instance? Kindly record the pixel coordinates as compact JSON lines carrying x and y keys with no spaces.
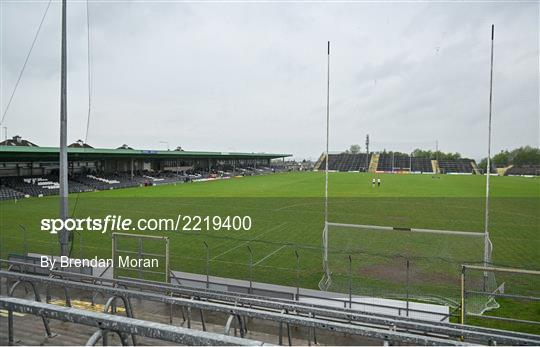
{"x":25,"y":62}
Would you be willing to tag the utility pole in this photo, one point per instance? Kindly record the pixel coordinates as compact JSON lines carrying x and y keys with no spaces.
{"x":63,"y":168}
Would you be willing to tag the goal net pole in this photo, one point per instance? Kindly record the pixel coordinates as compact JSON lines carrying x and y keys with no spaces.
{"x":488,"y":169}
{"x":487,"y":242}
{"x":325,"y":231}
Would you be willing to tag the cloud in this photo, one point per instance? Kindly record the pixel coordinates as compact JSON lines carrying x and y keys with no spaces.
{"x":252,"y":76}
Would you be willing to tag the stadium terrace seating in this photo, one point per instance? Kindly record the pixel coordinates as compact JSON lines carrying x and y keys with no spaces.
{"x":154,"y":179}
{"x":456,"y":166}
{"x":41,"y":185}
{"x":268,"y":170}
{"x":346,"y":162}
{"x":163,"y":178}
{"x":524,"y":170}
{"x":44,"y":183}
{"x":105,"y":182}
{"x":7,"y":193}
{"x":76,"y":187}
{"x":394,"y":162}
{"x":108,"y":181}
{"x":229,"y":169}
{"x":259,"y":170}
{"x":421,"y":165}
{"x":403,"y":162}
{"x":245,"y":171}
{"x":30,"y":186}
{"x":21,"y":186}
{"x":226,"y":167}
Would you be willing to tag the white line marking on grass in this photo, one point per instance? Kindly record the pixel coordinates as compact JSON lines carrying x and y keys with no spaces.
{"x":246,"y":242}
{"x":271,"y":254}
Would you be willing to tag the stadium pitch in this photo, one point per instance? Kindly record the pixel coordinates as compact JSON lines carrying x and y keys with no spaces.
{"x":286,"y":211}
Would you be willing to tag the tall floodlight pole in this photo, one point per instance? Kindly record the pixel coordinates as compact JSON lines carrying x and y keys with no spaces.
{"x":487,"y":255}
{"x":367,"y":152}
{"x":325,"y":235}
{"x":438,"y":168}
{"x":63,"y":169}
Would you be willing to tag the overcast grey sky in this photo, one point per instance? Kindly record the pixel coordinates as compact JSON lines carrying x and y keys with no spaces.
{"x":252,"y":76}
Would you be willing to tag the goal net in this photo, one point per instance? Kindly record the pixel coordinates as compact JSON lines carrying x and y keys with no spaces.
{"x":518,"y":291}
{"x":400,"y":263}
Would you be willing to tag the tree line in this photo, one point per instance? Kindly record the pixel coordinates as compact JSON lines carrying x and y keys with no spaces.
{"x":525,"y":155}
{"x":417,"y":153}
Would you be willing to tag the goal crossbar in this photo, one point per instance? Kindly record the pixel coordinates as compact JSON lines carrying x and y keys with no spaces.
{"x":416,"y":230}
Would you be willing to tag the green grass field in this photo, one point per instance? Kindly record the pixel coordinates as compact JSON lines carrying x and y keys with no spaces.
{"x":287,"y":211}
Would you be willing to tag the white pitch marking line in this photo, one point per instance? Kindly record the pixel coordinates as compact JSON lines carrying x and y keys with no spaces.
{"x":271,"y":254}
{"x":246,"y":242}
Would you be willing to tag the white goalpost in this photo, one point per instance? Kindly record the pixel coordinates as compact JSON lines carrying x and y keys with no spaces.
{"x":325,"y":231}
{"x":398,"y":262}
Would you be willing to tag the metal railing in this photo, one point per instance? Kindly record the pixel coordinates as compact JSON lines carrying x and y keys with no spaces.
{"x":516,"y":279}
{"x":311,"y":316}
{"x":122,"y":326}
{"x":140,"y":253}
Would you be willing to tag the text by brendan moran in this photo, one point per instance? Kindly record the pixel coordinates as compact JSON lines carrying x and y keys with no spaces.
{"x":122,"y":262}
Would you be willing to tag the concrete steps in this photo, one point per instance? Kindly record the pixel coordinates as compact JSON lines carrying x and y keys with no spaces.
{"x":374,"y":163}
{"x":435,"y":166}
{"x":475,"y":168}
{"x":319,"y":162}
{"x":501,"y":171}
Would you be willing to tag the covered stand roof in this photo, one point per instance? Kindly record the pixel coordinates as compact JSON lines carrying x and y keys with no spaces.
{"x":23,"y":153}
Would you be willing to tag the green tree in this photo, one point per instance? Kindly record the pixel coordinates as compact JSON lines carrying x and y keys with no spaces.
{"x":483,"y":164}
{"x":419,"y":153}
{"x":525,"y":156}
{"x":501,"y":159}
{"x":354,"y":149}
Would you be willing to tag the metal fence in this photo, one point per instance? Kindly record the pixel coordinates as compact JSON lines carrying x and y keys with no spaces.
{"x":149,"y":254}
{"x":515,"y":300}
{"x":356,"y":273}
{"x":248,"y":307}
